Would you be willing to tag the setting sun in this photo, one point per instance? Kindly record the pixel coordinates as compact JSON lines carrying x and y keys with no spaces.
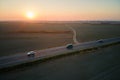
{"x":30,"y":15}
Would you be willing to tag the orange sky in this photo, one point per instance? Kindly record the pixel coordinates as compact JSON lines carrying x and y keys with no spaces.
{"x":60,"y":9}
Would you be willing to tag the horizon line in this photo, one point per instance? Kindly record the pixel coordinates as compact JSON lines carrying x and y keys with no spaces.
{"x":58,"y":20}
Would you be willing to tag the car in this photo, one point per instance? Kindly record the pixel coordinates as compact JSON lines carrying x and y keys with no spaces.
{"x":100,"y":41}
{"x":69,"y":46}
{"x":31,"y":53}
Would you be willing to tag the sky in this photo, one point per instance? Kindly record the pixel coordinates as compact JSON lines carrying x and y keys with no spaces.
{"x":60,"y":10}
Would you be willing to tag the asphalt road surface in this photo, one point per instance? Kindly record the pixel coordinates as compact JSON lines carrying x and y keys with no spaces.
{"x":100,"y":64}
{"x":41,"y":54}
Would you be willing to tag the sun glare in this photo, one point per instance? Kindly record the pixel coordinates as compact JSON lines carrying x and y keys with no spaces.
{"x":30,"y":15}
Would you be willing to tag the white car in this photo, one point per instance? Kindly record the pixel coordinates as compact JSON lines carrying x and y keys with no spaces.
{"x":31,"y":53}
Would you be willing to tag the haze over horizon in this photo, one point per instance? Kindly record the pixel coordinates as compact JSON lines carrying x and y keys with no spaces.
{"x":59,"y":10}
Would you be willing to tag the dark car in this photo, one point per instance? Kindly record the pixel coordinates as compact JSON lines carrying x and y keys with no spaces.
{"x":100,"y":41}
{"x":69,"y":46}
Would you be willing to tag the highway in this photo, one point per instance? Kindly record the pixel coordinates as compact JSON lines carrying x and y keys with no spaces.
{"x":9,"y":61}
